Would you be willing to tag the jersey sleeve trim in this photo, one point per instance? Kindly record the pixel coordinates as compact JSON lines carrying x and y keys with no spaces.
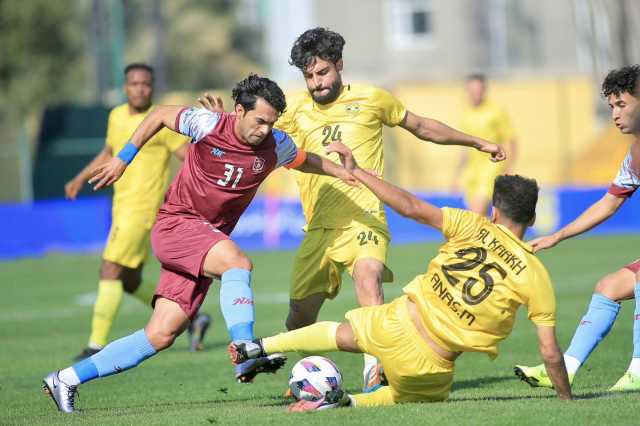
{"x":177,"y":123}
{"x":301,"y":157}
{"x":286,"y":149}
{"x":196,"y":122}
{"x":620,"y":191}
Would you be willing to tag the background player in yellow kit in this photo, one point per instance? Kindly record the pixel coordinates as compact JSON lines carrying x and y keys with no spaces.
{"x":465,"y":302}
{"x":346,"y":226}
{"x":485,"y":119}
{"x":136,"y":199}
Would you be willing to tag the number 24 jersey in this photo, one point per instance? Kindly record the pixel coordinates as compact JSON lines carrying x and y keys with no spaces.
{"x":472,"y":289}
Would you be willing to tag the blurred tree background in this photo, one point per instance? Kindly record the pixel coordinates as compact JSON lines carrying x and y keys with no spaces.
{"x":73,"y":52}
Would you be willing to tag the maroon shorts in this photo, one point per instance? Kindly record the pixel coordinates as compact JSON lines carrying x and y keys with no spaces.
{"x":634,"y":266}
{"x":181,"y":244}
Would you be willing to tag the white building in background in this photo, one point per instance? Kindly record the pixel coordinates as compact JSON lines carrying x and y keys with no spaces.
{"x":416,"y":40}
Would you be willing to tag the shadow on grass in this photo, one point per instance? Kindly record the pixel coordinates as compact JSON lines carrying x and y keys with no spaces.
{"x":170,"y":406}
{"x":479,"y":382}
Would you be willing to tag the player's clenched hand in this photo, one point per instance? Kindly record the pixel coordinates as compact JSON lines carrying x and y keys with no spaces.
{"x":546,"y":242}
{"x":72,"y":188}
{"x":496,"y":151}
{"x":212,"y":103}
{"x":107,"y":173}
{"x":345,"y":154}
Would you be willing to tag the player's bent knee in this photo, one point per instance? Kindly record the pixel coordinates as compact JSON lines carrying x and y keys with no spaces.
{"x":345,"y":338}
{"x":605,"y":282}
{"x":241,"y":262}
{"x":160,"y":339}
{"x":617,"y":286}
{"x":110,"y":270}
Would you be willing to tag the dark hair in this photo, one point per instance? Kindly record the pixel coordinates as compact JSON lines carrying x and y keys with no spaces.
{"x":516,"y":197}
{"x":138,"y":66}
{"x":621,"y":80}
{"x":477,"y":76}
{"x":320,"y":42}
{"x":253,"y":87}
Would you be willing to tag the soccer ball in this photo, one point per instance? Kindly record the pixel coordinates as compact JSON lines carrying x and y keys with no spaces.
{"x":312,"y":377}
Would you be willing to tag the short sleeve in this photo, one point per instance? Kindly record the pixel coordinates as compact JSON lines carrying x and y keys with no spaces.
{"x":626,"y":181}
{"x":505,"y":129}
{"x":542,"y":300}
{"x":287,"y":153}
{"x":196,"y":122}
{"x":459,"y":224}
{"x":392,"y":111}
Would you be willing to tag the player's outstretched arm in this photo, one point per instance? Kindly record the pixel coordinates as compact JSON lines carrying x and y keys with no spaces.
{"x":435,"y":131}
{"x":403,"y":202}
{"x":554,"y":361}
{"x":597,"y":213}
{"x":321,"y":166}
{"x":162,"y":116}
{"x":74,"y":186}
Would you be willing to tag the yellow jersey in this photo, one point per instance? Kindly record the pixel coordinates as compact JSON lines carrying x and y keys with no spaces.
{"x":472,"y":289}
{"x":488,"y":121}
{"x":356,"y":118}
{"x":141,"y":188}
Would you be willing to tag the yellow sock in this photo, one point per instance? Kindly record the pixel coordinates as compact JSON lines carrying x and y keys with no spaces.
{"x":316,"y":338}
{"x":145,"y":292}
{"x":381,"y":396}
{"x":104,"y":311}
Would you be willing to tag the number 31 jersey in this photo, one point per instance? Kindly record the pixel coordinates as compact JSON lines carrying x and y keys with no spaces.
{"x":472,"y":289}
{"x":221,"y":174}
{"x":356,"y":118}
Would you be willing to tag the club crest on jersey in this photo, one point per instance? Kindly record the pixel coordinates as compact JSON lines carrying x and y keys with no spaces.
{"x":258,"y":165}
{"x":352,"y":109}
{"x":217,"y":152}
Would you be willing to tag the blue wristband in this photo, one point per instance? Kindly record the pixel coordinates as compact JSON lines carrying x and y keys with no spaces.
{"x":128,"y":153}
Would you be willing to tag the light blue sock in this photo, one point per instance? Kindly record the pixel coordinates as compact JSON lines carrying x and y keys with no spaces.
{"x":594,"y":326}
{"x":116,"y":357}
{"x":636,"y":324}
{"x":236,"y":302}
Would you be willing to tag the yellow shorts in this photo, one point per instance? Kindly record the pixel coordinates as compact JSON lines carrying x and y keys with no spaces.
{"x":325,"y":253}
{"x":415,"y":372}
{"x":128,"y":243}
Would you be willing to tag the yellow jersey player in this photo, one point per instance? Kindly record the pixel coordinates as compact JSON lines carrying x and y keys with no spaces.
{"x":346,"y":227}
{"x":485,"y":119}
{"x":465,"y":302}
{"x":136,"y":199}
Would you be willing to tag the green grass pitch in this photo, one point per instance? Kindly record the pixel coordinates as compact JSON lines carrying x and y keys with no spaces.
{"x":44,"y":321}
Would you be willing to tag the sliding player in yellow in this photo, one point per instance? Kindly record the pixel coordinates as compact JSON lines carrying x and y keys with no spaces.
{"x":465,"y":302}
{"x":346,"y":227}
{"x":136,"y":199}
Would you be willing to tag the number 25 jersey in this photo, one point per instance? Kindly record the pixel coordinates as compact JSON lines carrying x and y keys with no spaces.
{"x":472,"y":289}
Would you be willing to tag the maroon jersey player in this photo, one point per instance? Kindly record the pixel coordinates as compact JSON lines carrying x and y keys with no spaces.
{"x":230,"y":155}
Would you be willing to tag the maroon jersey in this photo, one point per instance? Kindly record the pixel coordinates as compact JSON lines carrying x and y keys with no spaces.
{"x":221,"y":174}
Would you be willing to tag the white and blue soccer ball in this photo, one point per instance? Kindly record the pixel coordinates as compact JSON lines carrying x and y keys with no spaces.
{"x":312,"y":377}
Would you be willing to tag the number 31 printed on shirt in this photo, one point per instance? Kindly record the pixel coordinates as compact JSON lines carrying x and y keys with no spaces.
{"x":229,"y":170}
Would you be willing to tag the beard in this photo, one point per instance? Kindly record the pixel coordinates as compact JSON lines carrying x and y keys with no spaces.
{"x":334,"y":92}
